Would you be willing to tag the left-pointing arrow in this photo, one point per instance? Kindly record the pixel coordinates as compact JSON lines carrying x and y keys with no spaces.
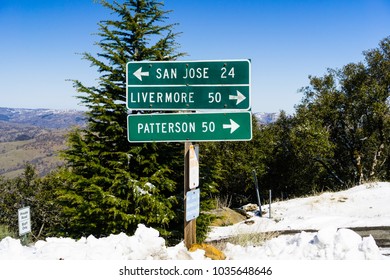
{"x":233,"y":126}
{"x":139,"y":74}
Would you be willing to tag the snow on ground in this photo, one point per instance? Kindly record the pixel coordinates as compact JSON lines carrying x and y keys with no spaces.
{"x":329,"y":214}
{"x":362,"y":206}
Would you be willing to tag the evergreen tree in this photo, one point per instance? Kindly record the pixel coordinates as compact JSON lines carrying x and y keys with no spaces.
{"x":227,"y":167}
{"x":112,"y":185}
{"x":352,"y":104}
{"x":339,"y":135}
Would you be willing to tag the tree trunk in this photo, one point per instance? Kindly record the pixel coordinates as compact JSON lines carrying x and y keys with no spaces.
{"x":377,"y":154}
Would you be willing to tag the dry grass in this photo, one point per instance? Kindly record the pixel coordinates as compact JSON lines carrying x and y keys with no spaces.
{"x":246,"y":239}
{"x":223,"y":202}
{"x":42,"y":152}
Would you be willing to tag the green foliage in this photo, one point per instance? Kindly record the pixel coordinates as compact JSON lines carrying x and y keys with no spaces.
{"x":297,"y":149}
{"x":101,"y":205}
{"x":4,"y":232}
{"x":226,"y":167}
{"x":352,"y":104}
{"x":339,"y":135}
{"x":29,"y":190}
{"x":110,"y":185}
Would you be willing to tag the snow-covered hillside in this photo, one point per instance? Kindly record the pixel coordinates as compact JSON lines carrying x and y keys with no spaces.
{"x":329,"y":213}
{"x":43,"y":118}
{"x":266,"y":118}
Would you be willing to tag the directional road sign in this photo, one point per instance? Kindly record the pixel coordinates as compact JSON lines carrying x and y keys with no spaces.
{"x":181,"y":127}
{"x":188,"y":85}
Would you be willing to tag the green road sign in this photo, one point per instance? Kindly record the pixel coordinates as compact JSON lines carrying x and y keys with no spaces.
{"x":188,"y":98}
{"x":188,"y":85}
{"x":206,"y":72}
{"x":197,"y":127}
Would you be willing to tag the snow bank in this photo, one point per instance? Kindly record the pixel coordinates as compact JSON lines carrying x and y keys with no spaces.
{"x":365,"y":205}
{"x":326,"y":244}
{"x":146,"y":244}
{"x":361,"y":206}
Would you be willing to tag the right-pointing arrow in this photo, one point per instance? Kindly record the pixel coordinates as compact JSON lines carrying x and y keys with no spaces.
{"x":239,"y":97}
{"x":233,"y":126}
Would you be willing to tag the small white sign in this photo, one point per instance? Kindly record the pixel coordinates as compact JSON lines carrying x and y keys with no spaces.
{"x":194,"y":166}
{"x":192,"y":204}
{"x":24,"y":218}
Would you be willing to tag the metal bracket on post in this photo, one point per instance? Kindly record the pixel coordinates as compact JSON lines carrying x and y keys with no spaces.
{"x":257,"y":191}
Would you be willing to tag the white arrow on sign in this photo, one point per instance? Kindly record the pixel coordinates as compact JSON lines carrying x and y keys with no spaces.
{"x":239,"y":97}
{"x":139,"y":74}
{"x":233,"y":126}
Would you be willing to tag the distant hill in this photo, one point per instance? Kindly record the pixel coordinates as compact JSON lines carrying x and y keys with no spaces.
{"x":43,"y":118}
{"x":266,"y":118}
{"x":39,"y":147}
{"x":34,"y":136}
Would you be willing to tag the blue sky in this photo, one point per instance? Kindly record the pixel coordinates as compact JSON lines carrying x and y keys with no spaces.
{"x":286,"y":41}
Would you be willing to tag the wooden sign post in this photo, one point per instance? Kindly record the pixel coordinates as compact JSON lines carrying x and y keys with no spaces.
{"x":189,"y":226}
